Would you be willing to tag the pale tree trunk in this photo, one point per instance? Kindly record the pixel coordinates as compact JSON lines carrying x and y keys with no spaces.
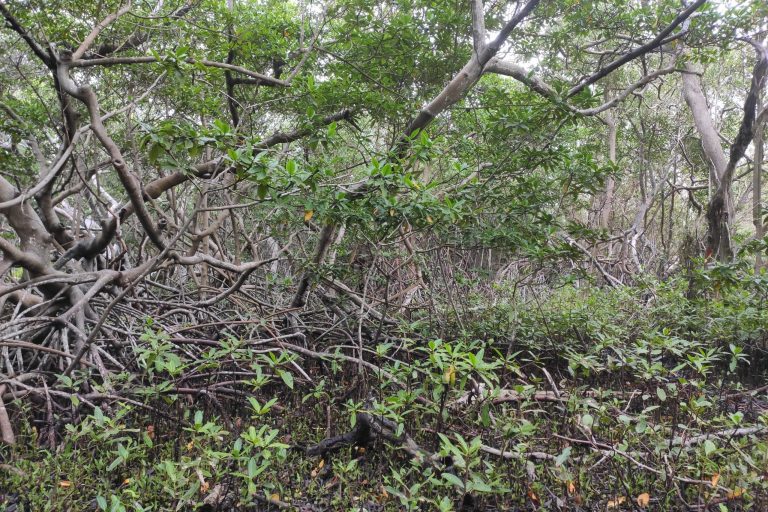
{"x":710,"y":141}
{"x":757,"y":188}
{"x":203,"y":225}
{"x":720,"y":212}
{"x":602,"y":204}
{"x":718,"y":240}
{"x":604,"y":210}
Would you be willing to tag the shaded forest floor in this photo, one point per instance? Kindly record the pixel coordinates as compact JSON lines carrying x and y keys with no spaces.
{"x":634,"y":398}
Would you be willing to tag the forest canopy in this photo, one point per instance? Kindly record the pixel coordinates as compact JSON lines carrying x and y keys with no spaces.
{"x":383,"y":255}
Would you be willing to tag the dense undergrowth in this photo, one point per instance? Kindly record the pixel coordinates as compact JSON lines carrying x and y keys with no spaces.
{"x":582,"y":398}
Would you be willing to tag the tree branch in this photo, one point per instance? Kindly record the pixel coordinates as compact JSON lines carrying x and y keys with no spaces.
{"x":639,"y":51}
{"x":115,"y":61}
{"x":130,"y":182}
{"x":478,"y":26}
{"x":90,"y":38}
{"x":540,"y":87}
{"x":34,"y":45}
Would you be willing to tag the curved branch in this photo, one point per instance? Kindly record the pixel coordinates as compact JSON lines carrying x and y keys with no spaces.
{"x":639,"y":51}
{"x":49,"y":176}
{"x":130,"y":182}
{"x":114,"y":61}
{"x":89,"y":40}
{"x":34,"y":45}
{"x":542,"y":88}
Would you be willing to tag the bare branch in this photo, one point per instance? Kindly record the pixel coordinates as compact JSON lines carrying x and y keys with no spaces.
{"x":747,"y":127}
{"x":34,"y":45}
{"x":48,"y":176}
{"x":478,"y":26}
{"x":612,"y":281}
{"x":88,"y":41}
{"x":639,"y":51}
{"x":115,"y":61}
{"x":466,"y":78}
{"x":506,"y":68}
{"x":629,"y":90}
{"x":495,"y":45}
{"x":130,"y":182}
{"x":540,"y":87}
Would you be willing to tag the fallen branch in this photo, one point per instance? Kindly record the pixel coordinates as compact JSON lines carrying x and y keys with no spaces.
{"x":729,"y":433}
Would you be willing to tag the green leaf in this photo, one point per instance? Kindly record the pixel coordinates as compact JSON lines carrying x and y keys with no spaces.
{"x":485,"y":415}
{"x":287,"y":378}
{"x":115,"y":463}
{"x":709,"y":447}
{"x":154,"y":153}
{"x":453,"y":479}
{"x":661,"y":394}
{"x":560,"y":459}
{"x":480,"y":486}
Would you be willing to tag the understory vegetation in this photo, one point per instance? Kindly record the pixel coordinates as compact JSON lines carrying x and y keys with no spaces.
{"x":578,"y":397}
{"x":383,"y":255}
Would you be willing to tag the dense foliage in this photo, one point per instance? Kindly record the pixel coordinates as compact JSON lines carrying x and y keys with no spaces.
{"x":383,"y":255}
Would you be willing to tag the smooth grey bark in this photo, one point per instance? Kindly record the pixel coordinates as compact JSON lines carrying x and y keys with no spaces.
{"x":702,"y":119}
{"x":757,"y":186}
{"x":720,"y":208}
{"x":602,"y":204}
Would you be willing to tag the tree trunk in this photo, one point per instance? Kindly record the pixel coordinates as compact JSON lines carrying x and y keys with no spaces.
{"x":720,"y":209}
{"x":757,"y":189}
{"x":602,"y":205}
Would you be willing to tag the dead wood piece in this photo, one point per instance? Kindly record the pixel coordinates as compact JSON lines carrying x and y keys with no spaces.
{"x":367,"y":428}
{"x":358,"y":436}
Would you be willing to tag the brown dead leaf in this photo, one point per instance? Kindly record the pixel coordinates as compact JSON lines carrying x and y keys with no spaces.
{"x":643,"y":499}
{"x":618,"y":501}
{"x":333,"y":482}
{"x":532,"y":496}
{"x":715,"y":479}
{"x":383,"y":495}
{"x":317,"y":469}
{"x":571,"y":487}
{"x":65,"y":483}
